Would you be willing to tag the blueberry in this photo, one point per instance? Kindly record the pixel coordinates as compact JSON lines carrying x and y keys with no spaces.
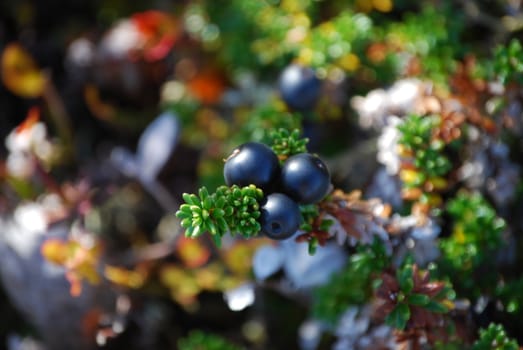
{"x":252,"y":163}
{"x":299,"y":87}
{"x":305,"y":178}
{"x":280,"y":216}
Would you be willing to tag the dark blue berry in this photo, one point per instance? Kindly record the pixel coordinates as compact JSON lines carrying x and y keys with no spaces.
{"x":280,"y":216}
{"x":299,"y":87}
{"x":305,"y":178}
{"x":252,"y":163}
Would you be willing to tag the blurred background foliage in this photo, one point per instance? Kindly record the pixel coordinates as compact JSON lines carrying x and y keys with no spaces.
{"x":110,"y":110}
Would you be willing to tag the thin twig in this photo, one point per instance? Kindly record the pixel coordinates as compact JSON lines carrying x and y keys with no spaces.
{"x":59,"y":114}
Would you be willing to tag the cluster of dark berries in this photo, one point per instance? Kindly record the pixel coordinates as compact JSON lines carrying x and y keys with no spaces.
{"x":302,"y":179}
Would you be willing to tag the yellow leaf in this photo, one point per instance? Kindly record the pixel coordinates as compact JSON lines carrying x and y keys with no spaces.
{"x":350,"y":62}
{"x":124,"y":277}
{"x":171,"y":276}
{"x":54,"y":251}
{"x":79,"y":262}
{"x":20,"y":73}
{"x":364,"y":5}
{"x":239,"y":257}
{"x":183,"y":287}
{"x":88,"y":271}
{"x":409,"y":176}
{"x":186,"y":294}
{"x":230,"y":282}
{"x":305,"y":56}
{"x":403,"y":151}
{"x":459,"y":234}
{"x":436,"y":183}
{"x":382,"y":5}
{"x":211,"y":277}
{"x":434,"y":199}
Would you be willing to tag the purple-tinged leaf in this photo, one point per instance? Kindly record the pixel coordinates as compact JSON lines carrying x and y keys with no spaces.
{"x":266,"y":261}
{"x":124,"y":161}
{"x":305,"y":270}
{"x":156,"y":145}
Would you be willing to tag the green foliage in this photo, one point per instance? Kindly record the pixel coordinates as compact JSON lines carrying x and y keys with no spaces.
{"x":509,"y":293}
{"x":331,"y":43}
{"x":256,"y":27}
{"x":309,"y":213}
{"x":198,"y":340}
{"x":192,"y":134}
{"x":310,"y":223}
{"x":286,"y":144}
{"x":399,"y":316}
{"x":494,"y":338}
{"x":439,"y":47}
{"x":508,"y":63}
{"x":209,"y":46}
{"x":275,"y":32}
{"x":443,"y":30}
{"x":476,"y":233}
{"x":428,"y":153}
{"x":449,"y":345}
{"x":258,"y":124}
{"x":245,"y":204}
{"x":417,"y":290}
{"x":353,"y":285}
{"x":228,"y":210}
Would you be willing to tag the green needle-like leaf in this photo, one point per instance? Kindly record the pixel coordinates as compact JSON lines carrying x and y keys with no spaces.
{"x":208,"y":203}
{"x":186,"y":223}
{"x":218,"y":213}
{"x":204,"y":194}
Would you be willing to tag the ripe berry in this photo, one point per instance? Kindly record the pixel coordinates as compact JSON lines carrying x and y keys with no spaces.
{"x":252,"y":163}
{"x":299,"y":87}
{"x":280,"y":216}
{"x":305,"y":178}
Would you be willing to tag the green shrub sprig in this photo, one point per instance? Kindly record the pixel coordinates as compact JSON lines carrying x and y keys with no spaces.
{"x":360,"y":273}
{"x":494,"y":338}
{"x":198,"y":340}
{"x":228,"y":210}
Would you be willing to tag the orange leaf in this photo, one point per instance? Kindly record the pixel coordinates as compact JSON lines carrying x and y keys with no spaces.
{"x":192,"y":252}
{"x":95,"y":104}
{"x":75,"y":282}
{"x":91,"y":321}
{"x":33,"y":116}
{"x":207,"y":86}
{"x":160,"y":32}
{"x":20,"y":73}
